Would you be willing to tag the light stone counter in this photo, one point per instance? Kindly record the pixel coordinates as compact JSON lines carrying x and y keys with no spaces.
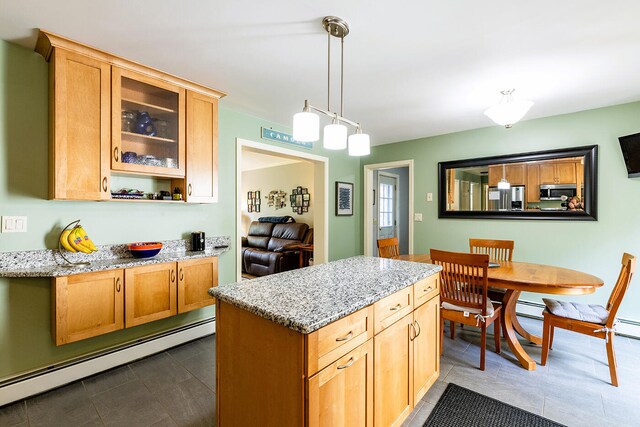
{"x":309,"y":298}
{"x":49,"y":263}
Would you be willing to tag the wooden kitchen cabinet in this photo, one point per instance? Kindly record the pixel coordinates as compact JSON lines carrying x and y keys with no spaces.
{"x":393,"y":372}
{"x":92,"y":135}
{"x":426,"y":355}
{"x":514,"y":173}
{"x":86,"y":305}
{"x":79,"y":127}
{"x":150,"y":293}
{"x":533,"y":183}
{"x":558,"y":173}
{"x":200,"y":184}
{"x":162,"y":152}
{"x":195,"y":277}
{"x":342,"y":393}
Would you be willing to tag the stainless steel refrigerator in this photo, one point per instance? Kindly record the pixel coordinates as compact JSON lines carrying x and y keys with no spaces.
{"x":511,"y":199}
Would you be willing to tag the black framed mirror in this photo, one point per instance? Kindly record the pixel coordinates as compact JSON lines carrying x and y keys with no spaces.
{"x":555,"y":184}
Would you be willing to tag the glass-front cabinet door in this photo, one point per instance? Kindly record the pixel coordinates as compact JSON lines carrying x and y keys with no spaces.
{"x":148,"y":125}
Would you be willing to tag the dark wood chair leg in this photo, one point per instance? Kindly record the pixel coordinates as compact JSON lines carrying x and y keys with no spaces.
{"x":496,"y":333}
{"x":452,"y":329}
{"x":546,"y":340}
{"x":483,"y":345}
{"x":611,"y":355}
{"x":551,"y":337}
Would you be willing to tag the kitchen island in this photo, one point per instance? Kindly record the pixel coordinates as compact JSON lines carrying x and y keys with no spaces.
{"x":353,"y":342}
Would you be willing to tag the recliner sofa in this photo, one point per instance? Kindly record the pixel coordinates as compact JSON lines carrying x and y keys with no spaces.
{"x":268,"y":247}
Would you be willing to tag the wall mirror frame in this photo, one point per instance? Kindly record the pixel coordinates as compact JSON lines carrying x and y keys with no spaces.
{"x":588,"y":187}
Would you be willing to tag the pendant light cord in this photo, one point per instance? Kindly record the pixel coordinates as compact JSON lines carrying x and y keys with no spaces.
{"x":341,"y":76}
{"x":328,"y":70}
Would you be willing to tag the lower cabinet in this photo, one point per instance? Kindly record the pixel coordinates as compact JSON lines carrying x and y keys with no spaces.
{"x":426,"y":355}
{"x":342,"y":393}
{"x":151,"y":293}
{"x":90,"y":304}
{"x":86,"y":305}
{"x":393,"y":362}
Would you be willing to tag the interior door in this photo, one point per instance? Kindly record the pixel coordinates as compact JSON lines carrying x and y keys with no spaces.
{"x":475,"y":196}
{"x":387,"y":206}
{"x":465,"y":196}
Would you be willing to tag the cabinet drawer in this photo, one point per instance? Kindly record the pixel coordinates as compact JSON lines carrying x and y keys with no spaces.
{"x":426,"y":289}
{"x":333,"y":341}
{"x":392,"y":308}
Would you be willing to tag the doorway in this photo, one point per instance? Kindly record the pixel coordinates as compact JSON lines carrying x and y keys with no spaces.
{"x":318,"y":210}
{"x":388,"y":198}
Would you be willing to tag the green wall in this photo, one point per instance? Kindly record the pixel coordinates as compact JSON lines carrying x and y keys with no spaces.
{"x":594,"y":247}
{"x":25,"y":341}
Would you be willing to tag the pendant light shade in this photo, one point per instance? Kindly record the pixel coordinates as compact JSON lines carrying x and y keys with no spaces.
{"x":359,"y":144}
{"x":509,"y":110}
{"x":335,"y":136}
{"x":504,"y":184}
{"x":306,"y":127}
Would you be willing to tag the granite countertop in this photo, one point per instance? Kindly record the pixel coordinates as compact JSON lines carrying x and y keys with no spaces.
{"x":49,"y":263}
{"x":309,"y":298}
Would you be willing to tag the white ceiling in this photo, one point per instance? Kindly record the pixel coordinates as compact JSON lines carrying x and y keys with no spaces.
{"x":252,"y":160}
{"x":412,"y":68}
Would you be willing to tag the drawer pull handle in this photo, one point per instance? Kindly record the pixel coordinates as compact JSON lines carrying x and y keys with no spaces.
{"x":427,"y":289}
{"x":118,"y":284}
{"x":396,"y":308}
{"x":349,"y":363}
{"x":419,"y":329}
{"x":346,"y":338}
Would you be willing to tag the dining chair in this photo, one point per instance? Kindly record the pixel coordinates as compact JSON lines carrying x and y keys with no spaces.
{"x":589,"y":319}
{"x":463,"y":293}
{"x":388,"y":248}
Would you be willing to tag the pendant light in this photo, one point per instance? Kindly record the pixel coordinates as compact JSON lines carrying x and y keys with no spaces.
{"x":509,"y":110}
{"x":504,"y":184}
{"x":306,"y":124}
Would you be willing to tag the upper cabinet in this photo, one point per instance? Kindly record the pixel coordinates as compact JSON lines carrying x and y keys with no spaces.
{"x":563,"y":172}
{"x":110,"y":115}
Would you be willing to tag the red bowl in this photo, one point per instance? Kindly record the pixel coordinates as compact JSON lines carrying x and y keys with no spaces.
{"x":144,"y":249}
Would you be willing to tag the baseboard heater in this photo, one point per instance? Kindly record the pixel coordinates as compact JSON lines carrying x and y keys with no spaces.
{"x":40,"y":380}
{"x":626,"y":328}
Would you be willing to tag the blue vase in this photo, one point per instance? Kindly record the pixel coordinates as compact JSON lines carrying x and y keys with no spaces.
{"x":144,"y":124}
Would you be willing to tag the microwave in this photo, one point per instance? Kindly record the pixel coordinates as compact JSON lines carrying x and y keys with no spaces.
{"x":557,"y":191}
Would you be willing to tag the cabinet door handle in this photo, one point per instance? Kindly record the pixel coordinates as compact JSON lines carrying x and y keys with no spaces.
{"x":189,"y":189}
{"x":346,"y":338}
{"x":104,"y":183}
{"x":173,"y":276}
{"x":115,"y":154}
{"x":346,"y":365}
{"x":396,"y":308}
{"x":413,"y":328}
{"x":117,"y":284}
{"x":419,"y":329}
{"x":181,"y":275}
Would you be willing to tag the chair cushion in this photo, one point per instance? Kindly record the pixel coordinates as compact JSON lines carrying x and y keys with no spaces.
{"x":574,"y":310}
{"x":490,"y":309}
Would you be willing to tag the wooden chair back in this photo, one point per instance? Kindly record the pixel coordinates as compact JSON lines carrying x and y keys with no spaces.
{"x":622,"y":284}
{"x":463,"y":279}
{"x":388,"y":248}
{"x":498,"y":250}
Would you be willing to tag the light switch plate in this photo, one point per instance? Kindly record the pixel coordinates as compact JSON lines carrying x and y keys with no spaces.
{"x":14,"y":224}
{"x":429,"y":197}
{"x":417,"y":217}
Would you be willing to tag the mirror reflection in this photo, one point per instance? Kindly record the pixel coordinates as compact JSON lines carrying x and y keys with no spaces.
{"x":555,"y":184}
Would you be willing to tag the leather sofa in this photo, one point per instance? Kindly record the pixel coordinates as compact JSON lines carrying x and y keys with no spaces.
{"x":269,"y":248}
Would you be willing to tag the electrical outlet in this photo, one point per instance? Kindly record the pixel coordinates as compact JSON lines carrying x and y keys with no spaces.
{"x":417,"y":217}
{"x":429,"y":197}
{"x":14,"y":224}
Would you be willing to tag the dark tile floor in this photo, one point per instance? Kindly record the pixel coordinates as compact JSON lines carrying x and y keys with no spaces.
{"x":177,"y":387}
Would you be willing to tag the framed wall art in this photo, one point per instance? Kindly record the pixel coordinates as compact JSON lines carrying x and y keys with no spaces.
{"x":253,"y":201}
{"x":344,"y":198}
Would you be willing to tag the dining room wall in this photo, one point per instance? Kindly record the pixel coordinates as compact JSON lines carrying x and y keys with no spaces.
{"x":594,"y":247}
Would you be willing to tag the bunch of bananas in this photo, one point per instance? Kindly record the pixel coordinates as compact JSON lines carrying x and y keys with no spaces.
{"x":77,"y":240}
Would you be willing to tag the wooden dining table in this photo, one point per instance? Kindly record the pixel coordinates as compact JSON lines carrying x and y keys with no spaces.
{"x":516,"y":277}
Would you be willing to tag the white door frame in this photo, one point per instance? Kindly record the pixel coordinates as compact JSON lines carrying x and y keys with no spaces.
{"x":368,"y":201}
{"x":321,"y":197}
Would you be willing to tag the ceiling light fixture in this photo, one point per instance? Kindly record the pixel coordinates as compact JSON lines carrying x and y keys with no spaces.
{"x":509,"y":110}
{"x":306,"y":125}
{"x":504,"y":184}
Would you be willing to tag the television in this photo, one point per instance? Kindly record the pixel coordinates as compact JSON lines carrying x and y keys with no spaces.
{"x":630,"y":146}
